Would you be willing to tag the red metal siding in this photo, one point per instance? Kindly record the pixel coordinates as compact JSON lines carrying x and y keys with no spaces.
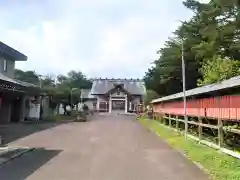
{"x":224,"y":107}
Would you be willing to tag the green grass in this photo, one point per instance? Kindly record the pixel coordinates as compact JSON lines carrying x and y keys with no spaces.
{"x":60,"y":117}
{"x":55,"y":118}
{"x":218,"y":165}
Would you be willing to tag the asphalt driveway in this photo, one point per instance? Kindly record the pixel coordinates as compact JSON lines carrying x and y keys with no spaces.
{"x":109,"y":147}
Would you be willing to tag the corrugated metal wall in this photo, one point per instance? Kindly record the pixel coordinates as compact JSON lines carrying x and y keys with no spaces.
{"x":223,"y":107}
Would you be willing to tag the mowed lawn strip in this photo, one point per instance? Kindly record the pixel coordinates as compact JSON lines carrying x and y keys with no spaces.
{"x":218,"y":165}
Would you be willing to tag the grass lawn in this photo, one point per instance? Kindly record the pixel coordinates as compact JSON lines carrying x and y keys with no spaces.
{"x":59,"y":118}
{"x":220,"y":166}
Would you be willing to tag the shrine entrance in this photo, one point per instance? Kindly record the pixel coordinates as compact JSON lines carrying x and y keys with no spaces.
{"x":118,"y":105}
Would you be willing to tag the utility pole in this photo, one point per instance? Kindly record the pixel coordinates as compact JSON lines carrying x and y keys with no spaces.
{"x":40,"y":81}
{"x":81,"y":96}
{"x":184,"y":93}
{"x":71,"y":100}
{"x":71,"y":96}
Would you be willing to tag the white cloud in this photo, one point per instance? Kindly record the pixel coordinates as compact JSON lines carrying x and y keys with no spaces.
{"x":204,"y":1}
{"x":101,"y":38}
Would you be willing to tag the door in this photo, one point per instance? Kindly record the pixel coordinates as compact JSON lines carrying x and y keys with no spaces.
{"x":118,"y":105}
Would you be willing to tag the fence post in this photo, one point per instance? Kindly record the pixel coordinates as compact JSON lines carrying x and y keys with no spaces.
{"x":158,"y":117}
{"x":220,"y":132}
{"x":170,"y":120}
{"x":177,"y":123}
{"x":220,"y":126}
{"x":186,"y":126}
{"x":200,"y":128}
{"x":161,"y":117}
{"x":165,"y":119}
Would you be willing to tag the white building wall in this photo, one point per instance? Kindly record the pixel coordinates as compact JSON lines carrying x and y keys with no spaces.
{"x":61,"y":109}
{"x":34,"y":112}
{"x":89,"y":103}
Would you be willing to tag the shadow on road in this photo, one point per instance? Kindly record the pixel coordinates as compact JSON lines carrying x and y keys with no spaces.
{"x":12,"y":132}
{"x":22,"y":167}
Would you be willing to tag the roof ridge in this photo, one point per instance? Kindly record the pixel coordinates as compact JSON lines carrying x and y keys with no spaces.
{"x":118,"y":79}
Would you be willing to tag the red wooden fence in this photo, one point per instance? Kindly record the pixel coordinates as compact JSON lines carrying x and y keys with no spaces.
{"x":223,"y":107}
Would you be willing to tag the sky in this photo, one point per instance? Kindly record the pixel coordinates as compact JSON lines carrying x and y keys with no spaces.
{"x":101,"y":38}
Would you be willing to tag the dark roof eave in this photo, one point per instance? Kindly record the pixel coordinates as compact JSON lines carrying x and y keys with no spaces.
{"x":19,"y":86}
{"x":14,"y":54}
{"x":212,"y":88}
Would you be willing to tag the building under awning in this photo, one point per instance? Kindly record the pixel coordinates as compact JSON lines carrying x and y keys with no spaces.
{"x":14,"y":95}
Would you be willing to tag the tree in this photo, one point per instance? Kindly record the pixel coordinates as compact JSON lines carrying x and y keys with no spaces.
{"x":62,"y":95}
{"x":222,"y":31}
{"x":150,"y":95}
{"x":64,"y":89}
{"x":48,"y":80}
{"x":62,"y":80}
{"x":67,"y":89}
{"x":213,"y":33}
{"x":78,"y":80}
{"x":27,"y":76}
{"x":218,"y":69}
{"x":166,"y":75}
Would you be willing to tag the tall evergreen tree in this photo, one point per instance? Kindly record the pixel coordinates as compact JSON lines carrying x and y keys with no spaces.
{"x":211,"y":38}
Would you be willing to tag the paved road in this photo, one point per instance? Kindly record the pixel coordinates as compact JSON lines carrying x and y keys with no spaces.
{"x":110,"y":147}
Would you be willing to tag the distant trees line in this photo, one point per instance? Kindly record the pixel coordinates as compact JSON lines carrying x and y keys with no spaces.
{"x":64,"y":89}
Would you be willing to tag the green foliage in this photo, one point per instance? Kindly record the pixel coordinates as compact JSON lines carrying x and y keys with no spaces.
{"x":54,"y":118}
{"x":60,"y":117}
{"x":214,"y":30}
{"x":48,"y":81}
{"x":82,"y":116}
{"x":218,"y":69}
{"x":63,"y":89}
{"x":27,"y":76}
{"x":150,"y":95}
{"x":63,"y":94}
{"x":77,"y":79}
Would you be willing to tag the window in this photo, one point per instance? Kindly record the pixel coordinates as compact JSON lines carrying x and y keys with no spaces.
{"x":4,"y":65}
